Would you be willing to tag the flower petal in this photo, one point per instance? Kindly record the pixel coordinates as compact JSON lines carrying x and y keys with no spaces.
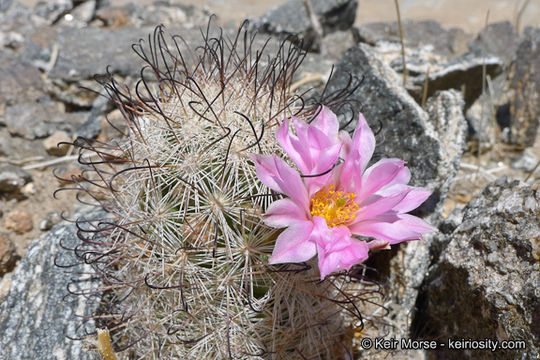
{"x":379,"y":175}
{"x":357,"y":153}
{"x":376,"y":205}
{"x":336,"y":249}
{"x":280,"y":177}
{"x":415,"y":196}
{"x":326,"y":121}
{"x":293,"y":244}
{"x":292,"y":146}
{"x":394,"y":228}
{"x":282,"y":213}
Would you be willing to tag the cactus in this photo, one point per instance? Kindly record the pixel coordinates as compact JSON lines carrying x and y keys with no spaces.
{"x":182,"y":250}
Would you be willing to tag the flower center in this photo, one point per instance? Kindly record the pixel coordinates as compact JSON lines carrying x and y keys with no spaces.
{"x":336,"y":207}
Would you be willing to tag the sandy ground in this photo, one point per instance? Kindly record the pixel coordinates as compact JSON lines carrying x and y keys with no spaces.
{"x":467,"y":14}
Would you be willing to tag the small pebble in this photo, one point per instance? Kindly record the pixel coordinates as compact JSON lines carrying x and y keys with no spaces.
{"x":19,"y":221}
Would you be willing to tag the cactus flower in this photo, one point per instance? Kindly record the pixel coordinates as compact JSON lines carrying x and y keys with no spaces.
{"x":329,"y":202}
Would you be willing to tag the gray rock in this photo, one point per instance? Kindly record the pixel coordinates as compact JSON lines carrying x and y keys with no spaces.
{"x":465,"y":72}
{"x":448,"y":43}
{"x":5,"y":4}
{"x":485,"y":284}
{"x":37,"y":313}
{"x":91,"y":128}
{"x":80,"y":16}
{"x":39,"y":120}
{"x":292,"y":18}
{"x":499,"y":39}
{"x":51,"y":219}
{"x":52,"y":10}
{"x":525,"y":105}
{"x":78,"y":58}
{"x":432,"y":149}
{"x":12,"y":178}
{"x":527,"y":161}
{"x":20,"y":81}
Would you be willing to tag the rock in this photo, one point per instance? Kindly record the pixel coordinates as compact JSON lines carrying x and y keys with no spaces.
{"x":465,"y":72}
{"x":292,"y":18}
{"x":488,"y":113}
{"x":482,"y":121}
{"x":485,"y":283}
{"x":53,"y":144}
{"x":432,"y":149}
{"x":117,"y":16}
{"x":499,"y":39}
{"x":51,"y":219}
{"x":80,"y":16}
{"x":425,"y":33}
{"x":12,"y":178}
{"x":8,"y":255}
{"x":39,"y":120}
{"x":19,"y":221}
{"x":527,"y":161}
{"x":20,"y":81}
{"x":91,"y":128}
{"x":53,"y":10}
{"x":39,"y":313}
{"x":77,"y":58}
{"x":525,"y":104}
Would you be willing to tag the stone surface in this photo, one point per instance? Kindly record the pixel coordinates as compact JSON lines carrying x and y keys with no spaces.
{"x":446,"y":42}
{"x":431,"y":143}
{"x":39,"y":120}
{"x":19,"y":222}
{"x":499,"y":39}
{"x":465,"y":72}
{"x":53,"y":144}
{"x":8,"y":256}
{"x":52,"y":10}
{"x":526,"y":161}
{"x":485,"y":283}
{"x":37,"y":313}
{"x":292,"y":18}
{"x":525,"y":104}
{"x":81,"y":15}
{"x":20,"y":81}
{"x":13,"y":178}
{"x":49,"y":221}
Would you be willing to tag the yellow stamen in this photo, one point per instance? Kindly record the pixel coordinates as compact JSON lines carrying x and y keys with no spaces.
{"x":336,"y":207}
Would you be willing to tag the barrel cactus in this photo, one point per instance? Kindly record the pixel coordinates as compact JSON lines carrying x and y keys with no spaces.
{"x":182,"y":250}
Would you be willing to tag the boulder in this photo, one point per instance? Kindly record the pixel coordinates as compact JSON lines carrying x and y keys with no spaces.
{"x":292,"y":18}
{"x":525,"y":83}
{"x":38,"y":313}
{"x":485,"y":283}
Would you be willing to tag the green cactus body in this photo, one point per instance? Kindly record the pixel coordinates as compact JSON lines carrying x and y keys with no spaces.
{"x":184,"y":252}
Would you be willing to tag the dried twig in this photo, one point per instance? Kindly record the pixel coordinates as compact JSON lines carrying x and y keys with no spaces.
{"x":402,"y":43}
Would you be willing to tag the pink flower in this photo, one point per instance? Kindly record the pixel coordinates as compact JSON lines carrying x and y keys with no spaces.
{"x":329,"y":204}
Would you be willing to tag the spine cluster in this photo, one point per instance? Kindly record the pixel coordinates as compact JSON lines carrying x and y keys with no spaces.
{"x":182,"y":250}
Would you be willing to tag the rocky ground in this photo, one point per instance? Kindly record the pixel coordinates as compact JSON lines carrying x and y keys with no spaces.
{"x":465,"y":113}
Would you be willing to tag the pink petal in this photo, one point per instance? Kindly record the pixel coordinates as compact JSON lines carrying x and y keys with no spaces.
{"x":327,"y":122}
{"x":292,"y":147}
{"x":284,"y":212}
{"x":392,"y":228}
{"x":415,"y":196}
{"x":379,"y":175}
{"x":293,"y":244}
{"x":376,"y":205}
{"x":280,"y":177}
{"x":363,"y":140}
{"x":336,"y":249}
